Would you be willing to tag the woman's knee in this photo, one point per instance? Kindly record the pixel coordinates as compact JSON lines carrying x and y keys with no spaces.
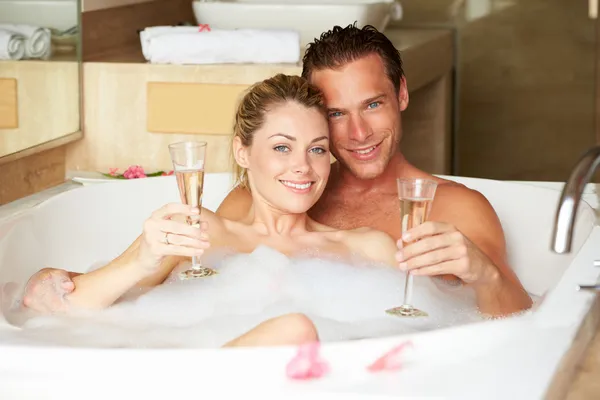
{"x":301,"y":327}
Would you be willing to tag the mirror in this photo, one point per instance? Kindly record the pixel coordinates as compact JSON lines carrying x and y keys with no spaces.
{"x":39,"y":73}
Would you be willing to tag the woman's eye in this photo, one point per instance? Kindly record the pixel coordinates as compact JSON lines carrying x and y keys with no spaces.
{"x":281,"y":148}
{"x":319,"y":150}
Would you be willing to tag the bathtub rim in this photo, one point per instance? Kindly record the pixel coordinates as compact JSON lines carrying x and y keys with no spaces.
{"x":71,"y":358}
{"x":444,"y":331}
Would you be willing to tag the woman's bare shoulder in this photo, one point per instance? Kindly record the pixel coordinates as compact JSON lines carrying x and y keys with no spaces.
{"x":372,"y":244}
{"x":225,"y":227}
{"x":216,"y":224}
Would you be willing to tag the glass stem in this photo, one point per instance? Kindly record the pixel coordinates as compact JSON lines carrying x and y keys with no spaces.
{"x":196,"y":263}
{"x":408,"y":286}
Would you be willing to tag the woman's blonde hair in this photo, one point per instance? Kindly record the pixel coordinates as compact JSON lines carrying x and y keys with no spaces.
{"x":262,"y":97}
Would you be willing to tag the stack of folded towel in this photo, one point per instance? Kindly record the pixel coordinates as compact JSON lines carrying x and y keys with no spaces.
{"x":24,"y":41}
{"x":200,"y":45}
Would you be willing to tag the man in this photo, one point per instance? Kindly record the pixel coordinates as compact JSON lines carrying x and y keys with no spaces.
{"x":360,"y":74}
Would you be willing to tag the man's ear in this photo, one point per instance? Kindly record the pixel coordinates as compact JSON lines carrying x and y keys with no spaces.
{"x":403,"y":95}
{"x":240,"y":152}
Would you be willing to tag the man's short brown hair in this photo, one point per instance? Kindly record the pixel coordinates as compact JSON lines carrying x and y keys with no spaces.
{"x":340,"y":46}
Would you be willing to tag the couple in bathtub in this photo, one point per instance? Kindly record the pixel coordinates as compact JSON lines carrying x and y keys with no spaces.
{"x":289,"y":197}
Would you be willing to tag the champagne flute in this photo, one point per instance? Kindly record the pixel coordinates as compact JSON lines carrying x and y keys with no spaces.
{"x":416,"y":197}
{"x":188,"y":164}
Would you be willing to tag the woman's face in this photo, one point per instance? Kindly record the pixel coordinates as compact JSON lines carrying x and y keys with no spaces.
{"x":288,"y":163}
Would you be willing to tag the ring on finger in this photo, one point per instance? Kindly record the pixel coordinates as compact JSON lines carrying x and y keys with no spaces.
{"x":166,"y":238}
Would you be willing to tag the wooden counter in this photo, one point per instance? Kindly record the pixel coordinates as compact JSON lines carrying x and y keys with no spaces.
{"x":585,"y":383}
{"x":118,"y":131}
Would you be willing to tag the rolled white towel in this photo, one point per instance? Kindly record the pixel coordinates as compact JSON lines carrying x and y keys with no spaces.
{"x":190,"y":45}
{"x":12,"y":45}
{"x":38,"y":40}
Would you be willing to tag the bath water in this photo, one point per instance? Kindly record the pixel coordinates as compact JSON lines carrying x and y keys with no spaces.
{"x":345,"y":300}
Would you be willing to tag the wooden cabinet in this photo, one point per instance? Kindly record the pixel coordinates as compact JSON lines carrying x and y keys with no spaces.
{"x":133,"y":109}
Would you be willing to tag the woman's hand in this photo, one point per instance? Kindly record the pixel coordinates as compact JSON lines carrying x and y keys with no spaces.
{"x":163,"y":236}
{"x":46,"y":290}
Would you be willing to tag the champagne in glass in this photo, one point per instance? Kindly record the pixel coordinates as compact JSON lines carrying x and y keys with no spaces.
{"x":188,"y":164}
{"x":416,"y":197}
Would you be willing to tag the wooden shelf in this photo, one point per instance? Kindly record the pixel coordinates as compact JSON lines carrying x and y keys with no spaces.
{"x":427,"y":53}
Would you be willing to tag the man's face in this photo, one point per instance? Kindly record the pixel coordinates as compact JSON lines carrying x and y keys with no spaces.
{"x":364,"y":114}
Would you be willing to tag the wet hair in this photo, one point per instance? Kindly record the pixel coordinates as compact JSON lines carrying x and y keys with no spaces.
{"x":263,"y":97}
{"x":340,"y":46}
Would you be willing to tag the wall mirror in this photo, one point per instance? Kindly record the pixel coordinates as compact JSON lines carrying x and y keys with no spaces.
{"x":40,"y":56}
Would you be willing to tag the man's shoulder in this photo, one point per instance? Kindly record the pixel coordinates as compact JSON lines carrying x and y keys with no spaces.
{"x":458,"y":191}
{"x":455,"y":199}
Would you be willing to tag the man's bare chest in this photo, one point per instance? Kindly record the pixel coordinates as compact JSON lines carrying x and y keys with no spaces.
{"x":379,"y":212}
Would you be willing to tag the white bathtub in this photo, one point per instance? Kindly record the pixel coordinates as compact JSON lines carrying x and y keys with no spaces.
{"x":492,"y":359}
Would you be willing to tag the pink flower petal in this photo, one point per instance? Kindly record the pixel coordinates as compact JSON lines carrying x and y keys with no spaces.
{"x":113,"y":171}
{"x":391,"y":360}
{"x":307,"y":364}
{"x":310,"y":350}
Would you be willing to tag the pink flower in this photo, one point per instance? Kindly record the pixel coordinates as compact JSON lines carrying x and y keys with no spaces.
{"x":307,"y":364}
{"x":391,"y":360}
{"x":113,"y":171}
{"x":167,"y":173}
{"x":134,"y":172}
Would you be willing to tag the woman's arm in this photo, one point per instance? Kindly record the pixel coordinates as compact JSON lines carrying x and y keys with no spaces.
{"x":147,"y":262}
{"x":102,"y":287}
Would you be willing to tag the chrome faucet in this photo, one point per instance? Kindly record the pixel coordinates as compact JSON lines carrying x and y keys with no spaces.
{"x":570,"y":197}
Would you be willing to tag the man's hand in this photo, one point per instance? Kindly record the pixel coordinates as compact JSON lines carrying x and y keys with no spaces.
{"x":436,"y":248}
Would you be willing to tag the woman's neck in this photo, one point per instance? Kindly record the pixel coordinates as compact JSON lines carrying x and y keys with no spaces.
{"x":269,"y":221}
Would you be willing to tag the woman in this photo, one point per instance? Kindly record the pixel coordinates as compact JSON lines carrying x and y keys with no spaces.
{"x":281,"y":148}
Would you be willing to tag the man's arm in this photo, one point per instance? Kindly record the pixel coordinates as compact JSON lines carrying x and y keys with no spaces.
{"x":500,"y":291}
{"x":464,"y":238}
{"x":236,"y":205}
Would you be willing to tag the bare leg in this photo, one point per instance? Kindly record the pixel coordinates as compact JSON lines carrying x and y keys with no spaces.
{"x":289,"y":329}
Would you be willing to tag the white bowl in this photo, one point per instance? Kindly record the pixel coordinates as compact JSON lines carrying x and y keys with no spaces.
{"x":309,"y":17}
